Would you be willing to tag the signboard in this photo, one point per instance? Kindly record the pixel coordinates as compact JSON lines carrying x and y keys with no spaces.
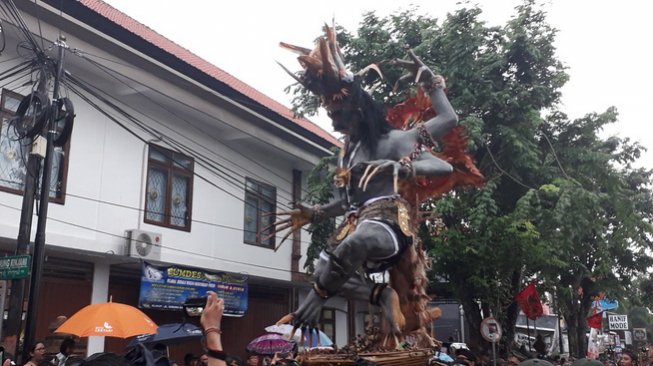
{"x":167,"y":287}
{"x":617,"y":322}
{"x":639,"y":334}
{"x":14,"y":267}
{"x":628,"y":338}
{"x":491,"y":329}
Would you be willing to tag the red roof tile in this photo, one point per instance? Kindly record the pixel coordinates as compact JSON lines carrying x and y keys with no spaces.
{"x":190,"y":58}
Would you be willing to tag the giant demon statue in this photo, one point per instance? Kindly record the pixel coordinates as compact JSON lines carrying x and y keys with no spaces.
{"x":385,"y":170}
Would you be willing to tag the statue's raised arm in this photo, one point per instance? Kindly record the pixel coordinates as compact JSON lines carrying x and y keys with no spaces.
{"x":433,"y":85}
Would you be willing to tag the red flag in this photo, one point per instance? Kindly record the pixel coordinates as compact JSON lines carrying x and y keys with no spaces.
{"x":529,"y":302}
{"x":595,"y":321}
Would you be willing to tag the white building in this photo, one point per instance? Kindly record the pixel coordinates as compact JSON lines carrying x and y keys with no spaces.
{"x":163,"y":143}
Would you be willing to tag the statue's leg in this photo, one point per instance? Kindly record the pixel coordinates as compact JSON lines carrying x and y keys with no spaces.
{"x":358,"y":288}
{"x":370,"y":241}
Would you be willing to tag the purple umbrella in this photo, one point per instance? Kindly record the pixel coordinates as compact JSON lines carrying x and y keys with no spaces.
{"x":269,"y":344}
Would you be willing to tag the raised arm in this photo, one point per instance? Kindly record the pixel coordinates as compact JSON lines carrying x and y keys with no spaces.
{"x":433,"y":85}
{"x":210,"y":320}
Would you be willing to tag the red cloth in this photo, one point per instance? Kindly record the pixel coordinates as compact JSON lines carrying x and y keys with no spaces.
{"x":595,"y":321}
{"x":529,"y":302}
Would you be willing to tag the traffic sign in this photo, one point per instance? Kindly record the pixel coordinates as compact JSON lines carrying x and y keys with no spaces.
{"x":491,"y":329}
{"x":617,"y":322}
{"x":639,"y":334}
{"x":14,"y":267}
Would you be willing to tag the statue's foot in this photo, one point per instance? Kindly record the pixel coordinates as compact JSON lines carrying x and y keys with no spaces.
{"x":389,"y":302}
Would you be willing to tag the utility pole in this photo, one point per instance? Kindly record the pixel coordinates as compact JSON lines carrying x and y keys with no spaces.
{"x":39,"y":241}
{"x":17,"y":296}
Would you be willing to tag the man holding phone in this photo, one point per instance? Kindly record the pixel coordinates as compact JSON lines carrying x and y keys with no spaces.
{"x":210,"y":320}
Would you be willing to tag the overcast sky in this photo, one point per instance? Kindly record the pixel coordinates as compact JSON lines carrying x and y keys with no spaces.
{"x":605,"y":44}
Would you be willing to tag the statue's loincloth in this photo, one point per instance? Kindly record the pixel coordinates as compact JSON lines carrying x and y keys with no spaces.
{"x":392,"y":213}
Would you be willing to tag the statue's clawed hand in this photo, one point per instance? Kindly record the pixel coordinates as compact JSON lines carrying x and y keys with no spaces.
{"x":296,"y":218}
{"x":306,"y":318}
{"x":419,"y":72}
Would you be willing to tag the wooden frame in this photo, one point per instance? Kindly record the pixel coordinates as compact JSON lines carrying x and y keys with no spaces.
{"x":256,"y":194}
{"x":172,"y":167}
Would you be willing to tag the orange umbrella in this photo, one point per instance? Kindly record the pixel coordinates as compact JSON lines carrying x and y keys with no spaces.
{"x":109,"y":319}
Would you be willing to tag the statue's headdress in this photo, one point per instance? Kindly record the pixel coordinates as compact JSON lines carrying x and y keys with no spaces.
{"x":325,"y":73}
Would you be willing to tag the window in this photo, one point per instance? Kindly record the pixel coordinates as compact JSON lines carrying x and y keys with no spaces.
{"x":260,"y":205}
{"x":14,"y":152}
{"x":328,"y":323}
{"x":169,"y":190}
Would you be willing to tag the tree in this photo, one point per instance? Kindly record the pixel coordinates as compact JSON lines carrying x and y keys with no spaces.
{"x":320,"y":190}
{"x":595,"y":214}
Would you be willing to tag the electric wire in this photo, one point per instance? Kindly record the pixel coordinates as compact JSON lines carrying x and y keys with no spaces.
{"x":555,"y":155}
{"x":38,"y":21}
{"x":192,"y":220}
{"x":11,"y":59}
{"x":104,"y":112}
{"x":114,"y":72}
{"x":4,"y":38}
{"x":14,"y":81}
{"x":83,"y":96}
{"x":90,"y":102}
{"x":487,"y":147}
{"x":18,"y":68}
{"x":73,"y":88}
{"x":202,"y":255}
{"x":196,"y":153}
{"x":180,"y":147}
{"x":9,"y":9}
{"x":207,"y":161}
{"x":140,"y":210}
{"x":204,"y":162}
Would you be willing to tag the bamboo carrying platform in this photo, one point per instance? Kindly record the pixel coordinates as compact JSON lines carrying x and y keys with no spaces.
{"x":390,"y":358}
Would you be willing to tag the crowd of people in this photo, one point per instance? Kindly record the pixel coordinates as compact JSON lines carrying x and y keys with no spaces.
{"x":628,"y":357}
{"x":214,"y":354}
{"x":157,"y":355}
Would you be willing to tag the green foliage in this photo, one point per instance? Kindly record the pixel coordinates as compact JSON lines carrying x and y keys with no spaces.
{"x":320,"y":191}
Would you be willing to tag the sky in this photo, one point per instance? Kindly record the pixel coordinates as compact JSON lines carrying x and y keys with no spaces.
{"x":604,"y":44}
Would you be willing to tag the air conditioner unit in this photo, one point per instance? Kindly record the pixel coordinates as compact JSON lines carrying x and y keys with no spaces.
{"x":144,"y":244}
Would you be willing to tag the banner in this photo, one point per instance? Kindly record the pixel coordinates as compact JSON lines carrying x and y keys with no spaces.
{"x":167,"y":287}
{"x":529,"y":302}
{"x":605,"y":304}
{"x":595,"y":321}
{"x":593,"y":344}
